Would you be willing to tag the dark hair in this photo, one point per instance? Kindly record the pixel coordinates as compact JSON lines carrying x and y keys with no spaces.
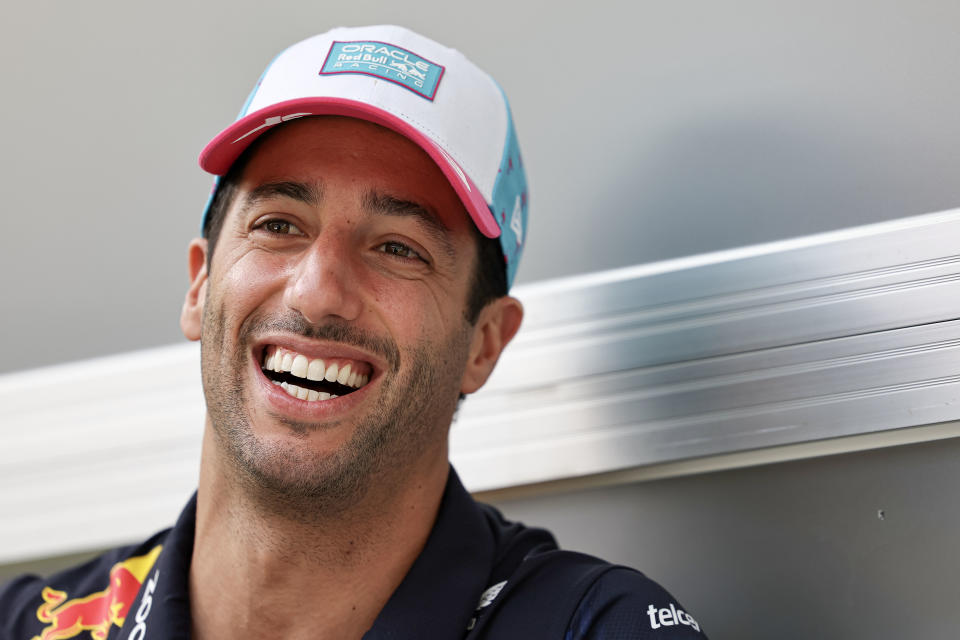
{"x":489,"y":280}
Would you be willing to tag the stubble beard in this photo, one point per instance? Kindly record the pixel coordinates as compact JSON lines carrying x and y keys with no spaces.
{"x":412,"y":411}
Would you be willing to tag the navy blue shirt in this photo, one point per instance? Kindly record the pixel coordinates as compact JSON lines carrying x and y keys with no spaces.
{"x":479,"y":577}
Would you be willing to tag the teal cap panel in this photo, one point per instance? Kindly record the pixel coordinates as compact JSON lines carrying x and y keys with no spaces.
{"x":510,"y":201}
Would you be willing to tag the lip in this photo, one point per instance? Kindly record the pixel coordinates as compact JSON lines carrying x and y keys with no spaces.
{"x":302,"y":410}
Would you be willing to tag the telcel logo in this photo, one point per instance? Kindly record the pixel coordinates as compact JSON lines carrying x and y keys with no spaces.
{"x":670,"y":617}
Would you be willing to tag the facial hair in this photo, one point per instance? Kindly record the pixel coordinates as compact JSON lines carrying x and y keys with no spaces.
{"x":417,"y":395}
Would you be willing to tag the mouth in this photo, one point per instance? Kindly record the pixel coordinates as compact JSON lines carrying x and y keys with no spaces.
{"x":313,"y":379}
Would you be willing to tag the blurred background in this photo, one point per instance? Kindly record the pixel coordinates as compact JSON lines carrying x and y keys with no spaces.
{"x":650,"y":130}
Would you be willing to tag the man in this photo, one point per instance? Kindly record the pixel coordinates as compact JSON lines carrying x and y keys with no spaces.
{"x":350,"y":287}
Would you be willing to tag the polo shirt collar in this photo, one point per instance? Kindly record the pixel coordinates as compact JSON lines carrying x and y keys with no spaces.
{"x":439,"y":594}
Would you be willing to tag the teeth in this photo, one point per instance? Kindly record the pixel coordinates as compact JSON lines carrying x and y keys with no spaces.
{"x":332,"y":372}
{"x":296,"y":364}
{"x":299,"y":367}
{"x":304,"y":394}
{"x":316,"y":370}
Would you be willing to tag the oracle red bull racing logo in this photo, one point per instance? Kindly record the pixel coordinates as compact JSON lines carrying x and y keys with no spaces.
{"x":95,"y":613}
{"x":386,"y":61}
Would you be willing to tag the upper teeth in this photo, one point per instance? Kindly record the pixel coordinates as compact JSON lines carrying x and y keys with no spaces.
{"x":298,"y":365}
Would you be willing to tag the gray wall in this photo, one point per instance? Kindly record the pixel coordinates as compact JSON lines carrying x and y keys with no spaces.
{"x":651,"y":130}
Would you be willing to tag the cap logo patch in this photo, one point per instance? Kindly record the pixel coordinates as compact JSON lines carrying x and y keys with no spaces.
{"x":387,"y":62}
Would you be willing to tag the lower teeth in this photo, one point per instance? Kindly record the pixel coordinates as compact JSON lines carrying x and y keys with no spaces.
{"x":304,"y":394}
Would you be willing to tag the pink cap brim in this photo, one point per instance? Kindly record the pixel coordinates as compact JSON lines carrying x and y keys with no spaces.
{"x":221,"y":152}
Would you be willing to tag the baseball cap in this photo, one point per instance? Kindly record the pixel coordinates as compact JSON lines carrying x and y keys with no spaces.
{"x":429,"y":93}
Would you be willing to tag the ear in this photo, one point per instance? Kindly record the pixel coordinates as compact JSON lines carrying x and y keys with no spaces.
{"x":495,"y":328}
{"x":191,"y":316}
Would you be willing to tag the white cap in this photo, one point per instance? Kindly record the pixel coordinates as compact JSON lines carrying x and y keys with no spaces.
{"x":423,"y":90}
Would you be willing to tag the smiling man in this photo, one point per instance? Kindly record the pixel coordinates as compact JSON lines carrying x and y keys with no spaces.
{"x":349,"y":288}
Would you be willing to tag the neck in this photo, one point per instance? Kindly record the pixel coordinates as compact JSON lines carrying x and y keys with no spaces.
{"x":252,"y":564}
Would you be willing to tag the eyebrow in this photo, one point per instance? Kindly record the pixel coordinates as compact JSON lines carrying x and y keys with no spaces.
{"x":387,"y":205}
{"x":310,"y":194}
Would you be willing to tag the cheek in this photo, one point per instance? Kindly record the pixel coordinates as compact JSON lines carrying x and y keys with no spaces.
{"x":392,"y":304}
{"x":249,"y":282}
{"x":414,"y":311}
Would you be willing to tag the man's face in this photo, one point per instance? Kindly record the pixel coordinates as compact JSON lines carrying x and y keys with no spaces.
{"x":334,"y":341}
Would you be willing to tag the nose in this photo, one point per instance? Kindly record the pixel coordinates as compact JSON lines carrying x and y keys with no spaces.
{"x":324,"y":282}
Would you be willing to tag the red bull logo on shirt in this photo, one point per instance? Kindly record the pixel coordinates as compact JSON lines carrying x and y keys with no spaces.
{"x":95,"y":613}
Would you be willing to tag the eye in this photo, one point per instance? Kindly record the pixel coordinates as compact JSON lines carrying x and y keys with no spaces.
{"x":400,"y":250}
{"x":281,"y":227}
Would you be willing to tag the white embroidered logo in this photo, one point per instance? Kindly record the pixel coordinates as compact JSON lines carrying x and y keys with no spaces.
{"x":488,"y":596}
{"x":486,"y":599}
{"x":271,"y":121}
{"x":516,"y":220}
{"x":670,"y":617}
{"x":140,"y":630}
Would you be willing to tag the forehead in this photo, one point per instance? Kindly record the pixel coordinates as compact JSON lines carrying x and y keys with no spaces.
{"x":348,"y":151}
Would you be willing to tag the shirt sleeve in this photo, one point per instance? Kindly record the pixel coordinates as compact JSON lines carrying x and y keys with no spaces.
{"x":623,"y":604}
{"x":19,"y":600}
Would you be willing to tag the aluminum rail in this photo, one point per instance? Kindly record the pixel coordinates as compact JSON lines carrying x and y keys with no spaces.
{"x":713,"y":361}
{"x":834,"y":335}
